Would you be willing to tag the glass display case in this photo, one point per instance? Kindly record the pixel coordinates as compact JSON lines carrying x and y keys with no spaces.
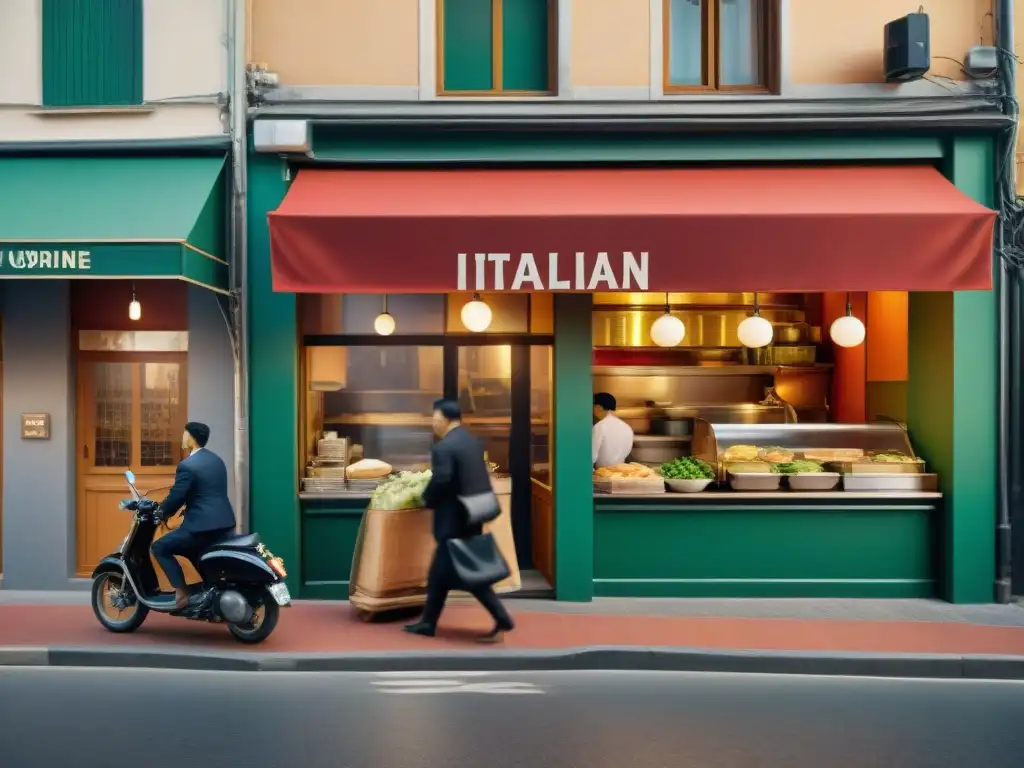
{"x":879,"y":448}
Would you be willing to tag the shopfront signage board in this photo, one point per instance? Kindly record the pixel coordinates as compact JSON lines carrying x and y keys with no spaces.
{"x":40,"y":261}
{"x":579,"y":271}
{"x":35,"y":426}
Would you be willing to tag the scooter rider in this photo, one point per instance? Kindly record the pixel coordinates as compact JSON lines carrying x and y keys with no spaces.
{"x":201,"y":486}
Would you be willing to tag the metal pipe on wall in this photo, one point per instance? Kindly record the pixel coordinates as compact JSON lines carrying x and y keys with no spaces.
{"x":237,"y":116}
{"x":1007,"y":376}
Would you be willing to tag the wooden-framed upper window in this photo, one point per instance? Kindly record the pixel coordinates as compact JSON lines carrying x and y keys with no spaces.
{"x":496,"y":47}
{"x":721,"y":45}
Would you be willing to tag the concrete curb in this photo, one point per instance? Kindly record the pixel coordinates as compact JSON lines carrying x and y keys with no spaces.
{"x":943,"y":666}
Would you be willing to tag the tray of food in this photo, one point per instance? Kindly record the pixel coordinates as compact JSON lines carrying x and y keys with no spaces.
{"x":774,"y":454}
{"x":339,"y":485}
{"x":806,"y":475}
{"x":881,"y":463}
{"x":823,"y":455}
{"x":754,"y":481}
{"x":896,"y":482}
{"x":631,"y":478}
{"x":687,"y":474}
{"x":736,"y":453}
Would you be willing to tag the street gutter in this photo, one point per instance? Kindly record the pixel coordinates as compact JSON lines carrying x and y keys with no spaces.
{"x":587,"y":658}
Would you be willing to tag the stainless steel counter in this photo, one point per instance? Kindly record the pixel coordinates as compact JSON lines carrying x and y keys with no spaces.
{"x":739,"y":496}
{"x":331,"y":496}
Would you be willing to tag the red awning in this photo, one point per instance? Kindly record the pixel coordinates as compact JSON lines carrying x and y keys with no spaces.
{"x":711,"y":229}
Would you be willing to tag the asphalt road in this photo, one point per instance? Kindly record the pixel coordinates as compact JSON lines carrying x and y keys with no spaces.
{"x":98,"y":718}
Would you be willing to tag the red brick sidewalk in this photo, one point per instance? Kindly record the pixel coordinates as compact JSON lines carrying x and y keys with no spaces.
{"x":331,"y":628}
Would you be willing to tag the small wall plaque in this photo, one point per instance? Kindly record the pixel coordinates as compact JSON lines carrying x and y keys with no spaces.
{"x":35,"y":426}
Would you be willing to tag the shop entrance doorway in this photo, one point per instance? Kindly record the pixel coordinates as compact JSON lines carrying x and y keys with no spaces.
{"x":131,"y":413}
{"x":1,"y":468}
{"x":507,"y":407}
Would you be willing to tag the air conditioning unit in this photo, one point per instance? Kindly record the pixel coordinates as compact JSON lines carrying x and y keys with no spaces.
{"x":908,"y":54}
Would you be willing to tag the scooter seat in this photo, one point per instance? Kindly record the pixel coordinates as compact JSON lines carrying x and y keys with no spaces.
{"x":238,"y":541}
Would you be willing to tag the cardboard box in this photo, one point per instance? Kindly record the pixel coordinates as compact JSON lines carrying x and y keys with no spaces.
{"x":394,"y":549}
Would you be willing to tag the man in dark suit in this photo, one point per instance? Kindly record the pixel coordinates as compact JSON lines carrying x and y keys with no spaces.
{"x":201,"y":486}
{"x":458,"y":469}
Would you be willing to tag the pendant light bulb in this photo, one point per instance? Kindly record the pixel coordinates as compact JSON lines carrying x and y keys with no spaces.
{"x":134,"y":308}
{"x":668,"y":330}
{"x":847,"y":331}
{"x":476,"y":315}
{"x":384,"y":323}
{"x":755,"y":332}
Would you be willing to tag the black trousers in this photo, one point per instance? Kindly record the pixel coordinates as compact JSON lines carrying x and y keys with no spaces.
{"x":187,"y":544}
{"x":442,"y":578}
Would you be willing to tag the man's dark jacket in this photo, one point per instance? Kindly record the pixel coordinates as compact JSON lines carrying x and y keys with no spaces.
{"x":201,"y":486}
{"x":458,"y":469}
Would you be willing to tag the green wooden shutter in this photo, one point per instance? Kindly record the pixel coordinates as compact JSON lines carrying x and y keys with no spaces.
{"x":92,"y":53}
{"x":525,"y":45}
{"x":468,"y":49}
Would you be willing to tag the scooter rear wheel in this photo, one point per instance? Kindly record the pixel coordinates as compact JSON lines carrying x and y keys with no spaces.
{"x":264,"y":620}
{"x":107,"y":590}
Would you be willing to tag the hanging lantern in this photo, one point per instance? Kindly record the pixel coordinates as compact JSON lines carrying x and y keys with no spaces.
{"x":384,"y":323}
{"x":847,"y":331}
{"x":755,"y":331}
{"x":668,"y":330}
{"x":476,"y":315}
{"x":134,"y":307}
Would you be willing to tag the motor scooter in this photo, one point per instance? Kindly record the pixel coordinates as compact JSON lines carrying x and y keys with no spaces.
{"x":242,"y":581}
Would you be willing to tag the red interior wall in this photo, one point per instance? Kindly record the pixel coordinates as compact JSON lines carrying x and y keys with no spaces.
{"x":849,"y":395}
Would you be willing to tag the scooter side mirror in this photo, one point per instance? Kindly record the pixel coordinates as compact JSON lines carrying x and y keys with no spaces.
{"x":131,"y":477}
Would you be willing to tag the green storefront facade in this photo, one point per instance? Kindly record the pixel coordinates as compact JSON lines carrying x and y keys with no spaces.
{"x":667,"y":547}
{"x":113,"y":275}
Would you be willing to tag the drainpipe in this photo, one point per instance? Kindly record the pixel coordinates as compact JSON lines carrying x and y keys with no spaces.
{"x":237,"y":109}
{"x":1009,"y":390}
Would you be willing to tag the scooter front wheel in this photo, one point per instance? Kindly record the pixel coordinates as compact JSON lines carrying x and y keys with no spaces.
{"x":262,"y":623}
{"x":115,"y":604}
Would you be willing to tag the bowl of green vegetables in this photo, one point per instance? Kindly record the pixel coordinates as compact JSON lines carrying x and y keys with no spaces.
{"x":687,"y":474}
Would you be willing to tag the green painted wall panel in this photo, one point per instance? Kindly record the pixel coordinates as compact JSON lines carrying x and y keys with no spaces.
{"x":661,"y":548}
{"x":273,"y":380}
{"x":92,"y":53}
{"x":571,"y":438}
{"x":329,"y":531}
{"x":468,"y":49}
{"x":952,"y":399}
{"x":384,"y":146}
{"x":525,"y":45}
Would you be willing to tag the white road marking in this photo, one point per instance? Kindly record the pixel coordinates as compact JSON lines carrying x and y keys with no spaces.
{"x":440,"y":685}
{"x":432,"y":675}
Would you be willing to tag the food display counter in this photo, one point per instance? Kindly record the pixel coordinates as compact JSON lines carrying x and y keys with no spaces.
{"x":858,"y":539}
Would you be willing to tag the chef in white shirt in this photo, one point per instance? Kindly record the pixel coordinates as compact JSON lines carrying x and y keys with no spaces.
{"x":613,"y":438}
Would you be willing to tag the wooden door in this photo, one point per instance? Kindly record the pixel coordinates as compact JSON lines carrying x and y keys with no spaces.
{"x":131,"y":413}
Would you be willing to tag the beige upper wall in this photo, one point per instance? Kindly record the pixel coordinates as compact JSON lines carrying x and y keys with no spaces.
{"x":611,"y":42}
{"x":841,"y":42}
{"x":184,"y":56}
{"x":183,"y":48}
{"x":337,"y":42}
